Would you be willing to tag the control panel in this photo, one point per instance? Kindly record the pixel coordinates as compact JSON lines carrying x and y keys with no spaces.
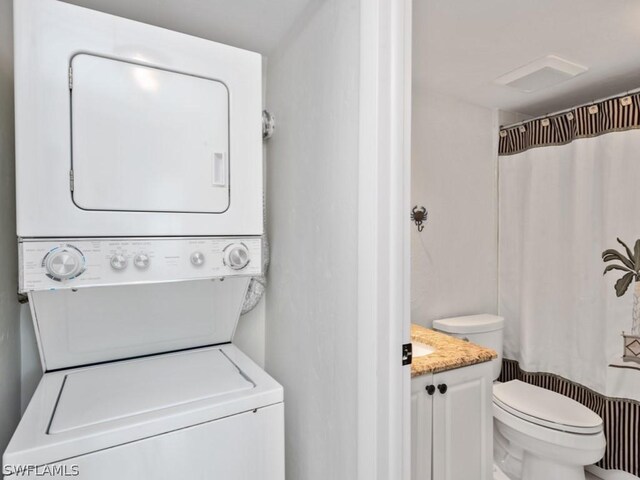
{"x":83,"y":262}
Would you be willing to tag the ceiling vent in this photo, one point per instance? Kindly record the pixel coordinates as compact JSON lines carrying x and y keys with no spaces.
{"x":542,"y":73}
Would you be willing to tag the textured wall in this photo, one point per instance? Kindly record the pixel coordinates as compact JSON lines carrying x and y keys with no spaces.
{"x":9,"y":315}
{"x":454,"y":259}
{"x":312,"y":185}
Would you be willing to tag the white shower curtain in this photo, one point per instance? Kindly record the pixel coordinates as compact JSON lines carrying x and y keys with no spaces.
{"x":560,"y":208}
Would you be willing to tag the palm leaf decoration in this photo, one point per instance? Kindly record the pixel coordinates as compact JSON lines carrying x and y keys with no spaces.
{"x":629,"y":263}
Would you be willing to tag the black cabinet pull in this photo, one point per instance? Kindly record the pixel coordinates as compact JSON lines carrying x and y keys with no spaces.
{"x":443,"y":388}
{"x":431,"y":389}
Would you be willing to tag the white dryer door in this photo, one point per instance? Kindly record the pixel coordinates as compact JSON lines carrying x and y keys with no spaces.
{"x":146,"y":139}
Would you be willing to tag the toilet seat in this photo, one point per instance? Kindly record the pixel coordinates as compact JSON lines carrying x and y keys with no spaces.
{"x":545,"y":408}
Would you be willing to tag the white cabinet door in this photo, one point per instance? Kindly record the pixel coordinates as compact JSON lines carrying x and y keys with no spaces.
{"x":421,"y":421}
{"x":463,"y":424}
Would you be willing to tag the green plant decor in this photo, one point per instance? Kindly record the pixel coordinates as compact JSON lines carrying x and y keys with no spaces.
{"x":630,"y":265}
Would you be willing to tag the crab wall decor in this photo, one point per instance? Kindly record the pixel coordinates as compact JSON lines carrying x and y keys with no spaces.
{"x":419,"y":216}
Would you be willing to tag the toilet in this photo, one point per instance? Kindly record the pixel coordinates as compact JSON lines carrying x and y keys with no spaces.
{"x":538,"y":434}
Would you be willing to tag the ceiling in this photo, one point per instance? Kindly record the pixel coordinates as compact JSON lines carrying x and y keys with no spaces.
{"x":462,"y":46}
{"x":257,"y":25}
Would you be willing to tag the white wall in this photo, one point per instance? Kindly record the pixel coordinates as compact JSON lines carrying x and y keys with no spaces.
{"x":30,"y":366}
{"x":249,"y":336}
{"x":9,"y":315}
{"x":312,"y":184}
{"x":454,"y":260}
{"x":508,"y":118}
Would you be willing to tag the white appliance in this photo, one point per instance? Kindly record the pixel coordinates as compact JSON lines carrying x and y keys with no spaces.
{"x":134,"y":144}
{"x":125,"y":129}
{"x":203,"y":410}
{"x":139,"y":188}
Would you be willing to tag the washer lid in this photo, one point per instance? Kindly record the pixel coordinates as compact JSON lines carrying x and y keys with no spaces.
{"x":546,"y":408}
{"x":124,"y":389}
{"x":83,"y":410}
{"x":469,"y":324}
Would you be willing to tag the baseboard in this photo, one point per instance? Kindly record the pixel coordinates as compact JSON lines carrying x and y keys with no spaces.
{"x":610,"y":474}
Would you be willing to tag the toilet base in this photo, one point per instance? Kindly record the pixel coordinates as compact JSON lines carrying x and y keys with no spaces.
{"x":498,"y":474}
{"x":507,"y":459}
{"x":536,"y":468}
{"x":541,"y":460}
{"x":541,"y":453}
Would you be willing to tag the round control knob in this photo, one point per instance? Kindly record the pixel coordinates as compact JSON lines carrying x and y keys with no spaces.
{"x":64,"y":263}
{"x":197,"y":258}
{"x":118,"y":261}
{"x":141,"y":261}
{"x":236,"y":256}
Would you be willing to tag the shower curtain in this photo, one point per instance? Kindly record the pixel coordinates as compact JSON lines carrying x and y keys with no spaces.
{"x":569,"y":186}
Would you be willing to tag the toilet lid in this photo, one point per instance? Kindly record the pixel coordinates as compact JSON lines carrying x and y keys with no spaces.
{"x":546,"y":408}
{"x":469,"y":324}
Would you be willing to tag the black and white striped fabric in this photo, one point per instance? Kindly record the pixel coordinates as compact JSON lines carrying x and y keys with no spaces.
{"x":616,"y":114}
{"x":621,"y":417}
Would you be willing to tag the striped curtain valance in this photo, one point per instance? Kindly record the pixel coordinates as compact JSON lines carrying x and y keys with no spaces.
{"x":621,"y":417}
{"x":615,"y":114}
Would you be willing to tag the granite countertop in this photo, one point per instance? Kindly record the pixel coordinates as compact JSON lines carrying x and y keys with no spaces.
{"x":450,"y":352}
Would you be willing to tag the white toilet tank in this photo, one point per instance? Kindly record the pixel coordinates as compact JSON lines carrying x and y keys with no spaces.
{"x":484,"y":330}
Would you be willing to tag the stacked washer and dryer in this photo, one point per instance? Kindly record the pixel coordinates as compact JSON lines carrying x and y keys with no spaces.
{"x":139,"y":216}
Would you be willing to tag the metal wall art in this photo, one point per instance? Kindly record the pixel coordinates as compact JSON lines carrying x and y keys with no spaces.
{"x":419,"y":216}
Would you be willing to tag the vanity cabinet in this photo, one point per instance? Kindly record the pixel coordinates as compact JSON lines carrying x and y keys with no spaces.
{"x":452,"y":424}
